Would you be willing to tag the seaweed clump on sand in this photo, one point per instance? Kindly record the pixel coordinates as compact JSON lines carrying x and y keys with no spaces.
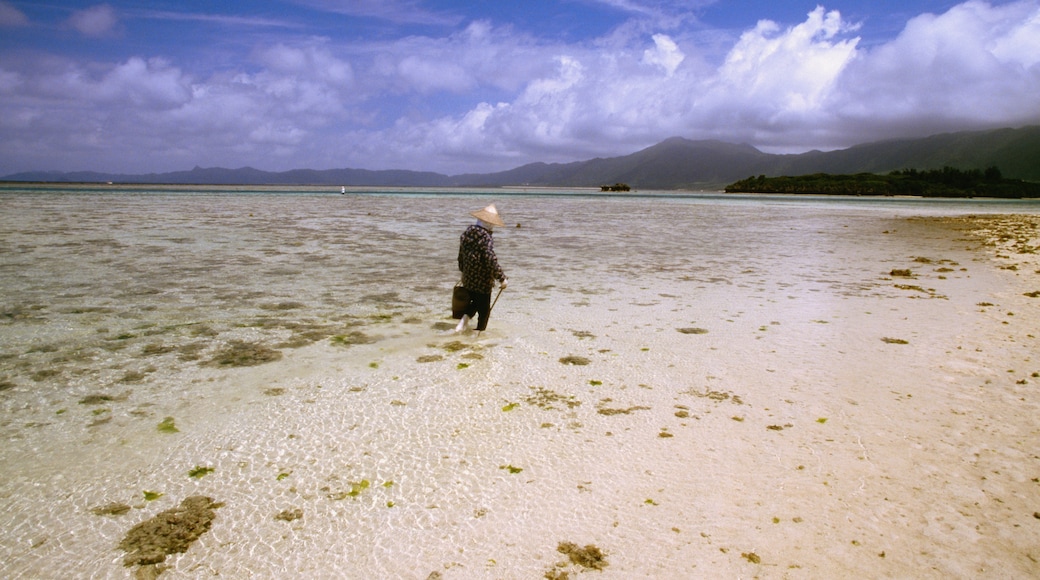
{"x":602,"y":408}
{"x":454,"y":346}
{"x":289,"y":515}
{"x":111,"y":509}
{"x":99,"y":399}
{"x":589,"y":557}
{"x":168,"y":532}
{"x":244,"y":354}
{"x":717,"y":396}
{"x":167,"y":425}
{"x":351,"y":338}
{"x":547,"y":399}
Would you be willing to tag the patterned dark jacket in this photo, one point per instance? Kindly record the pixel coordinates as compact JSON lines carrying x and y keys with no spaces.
{"x":477,"y":260}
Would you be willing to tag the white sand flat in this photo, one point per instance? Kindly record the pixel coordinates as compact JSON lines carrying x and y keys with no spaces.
{"x":696,"y":387}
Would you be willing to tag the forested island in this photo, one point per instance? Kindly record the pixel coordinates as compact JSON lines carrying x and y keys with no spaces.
{"x":945,"y":182}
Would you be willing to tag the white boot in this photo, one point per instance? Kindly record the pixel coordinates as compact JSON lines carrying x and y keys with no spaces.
{"x":463,"y":324}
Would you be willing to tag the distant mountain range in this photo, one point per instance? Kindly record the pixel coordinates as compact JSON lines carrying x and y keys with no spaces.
{"x":675,"y":163}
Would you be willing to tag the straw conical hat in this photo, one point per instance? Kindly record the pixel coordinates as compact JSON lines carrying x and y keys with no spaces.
{"x":490,"y":215}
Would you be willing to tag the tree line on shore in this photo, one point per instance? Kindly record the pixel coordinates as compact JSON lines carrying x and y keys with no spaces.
{"x":945,"y":182}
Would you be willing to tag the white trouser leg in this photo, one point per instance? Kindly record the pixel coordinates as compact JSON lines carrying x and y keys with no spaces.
{"x":463,"y":324}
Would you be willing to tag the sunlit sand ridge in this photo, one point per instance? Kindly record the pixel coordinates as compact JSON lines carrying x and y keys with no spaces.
{"x":686,"y":387}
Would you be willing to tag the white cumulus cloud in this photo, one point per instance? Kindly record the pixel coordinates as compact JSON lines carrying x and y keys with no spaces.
{"x":665,"y":54}
{"x":783,"y":89}
{"x":486,"y":98}
{"x":977,"y":65}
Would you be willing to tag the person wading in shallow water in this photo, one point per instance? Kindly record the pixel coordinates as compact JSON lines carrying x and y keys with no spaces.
{"x":479,"y":267}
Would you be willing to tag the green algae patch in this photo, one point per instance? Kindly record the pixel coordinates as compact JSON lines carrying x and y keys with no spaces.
{"x":283,"y":475}
{"x":168,"y":532}
{"x":461,"y":366}
{"x":200,"y":471}
{"x":167,"y":426}
{"x":510,"y":407}
{"x":357,"y":487}
{"x":693,"y":330}
{"x":575,"y":360}
{"x":152,"y":495}
{"x":511,"y":469}
{"x":889,"y":340}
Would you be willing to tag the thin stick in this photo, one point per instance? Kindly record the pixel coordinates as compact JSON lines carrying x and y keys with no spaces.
{"x":496,"y":301}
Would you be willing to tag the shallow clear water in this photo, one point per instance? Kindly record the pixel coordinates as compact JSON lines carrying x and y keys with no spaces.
{"x":121,"y":309}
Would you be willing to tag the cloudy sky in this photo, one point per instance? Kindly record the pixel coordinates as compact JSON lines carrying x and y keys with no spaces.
{"x":484,"y":85}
